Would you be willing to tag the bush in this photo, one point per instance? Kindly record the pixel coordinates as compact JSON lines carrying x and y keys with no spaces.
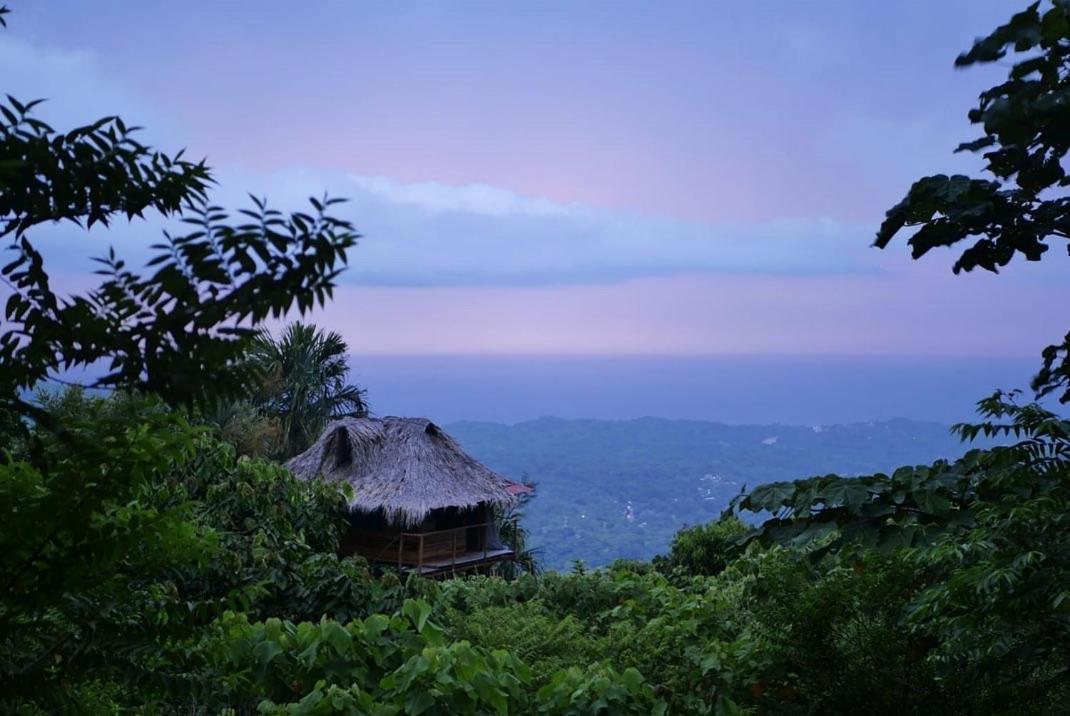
{"x":398,"y":664}
{"x":704,"y":549}
{"x":545,"y":642}
{"x":832,"y":635}
{"x":684,"y":639}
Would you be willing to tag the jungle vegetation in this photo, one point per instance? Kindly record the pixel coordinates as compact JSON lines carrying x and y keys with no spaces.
{"x":152,"y":561}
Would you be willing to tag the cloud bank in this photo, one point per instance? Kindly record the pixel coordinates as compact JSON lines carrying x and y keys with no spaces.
{"x":432,"y":234}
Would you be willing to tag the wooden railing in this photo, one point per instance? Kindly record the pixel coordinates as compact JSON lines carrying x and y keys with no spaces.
{"x":450,"y":543}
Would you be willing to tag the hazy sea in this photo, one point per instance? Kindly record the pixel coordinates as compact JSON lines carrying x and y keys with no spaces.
{"x":738,"y":389}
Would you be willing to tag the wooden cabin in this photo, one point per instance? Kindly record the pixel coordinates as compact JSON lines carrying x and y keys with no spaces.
{"x":420,"y":502}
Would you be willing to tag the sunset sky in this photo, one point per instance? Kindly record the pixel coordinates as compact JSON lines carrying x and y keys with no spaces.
{"x":570,"y":177}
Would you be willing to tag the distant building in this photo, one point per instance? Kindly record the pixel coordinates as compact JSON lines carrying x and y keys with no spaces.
{"x":419,"y":501}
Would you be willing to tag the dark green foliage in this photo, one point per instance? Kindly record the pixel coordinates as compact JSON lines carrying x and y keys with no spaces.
{"x":13,"y":433}
{"x":1026,"y":136}
{"x":400,"y":664}
{"x":121,"y":533}
{"x":705,"y":549}
{"x":774,"y":632}
{"x":178,"y":331}
{"x":147,"y":567}
{"x":979,"y":544}
{"x":832,"y":638}
{"x":301,"y":384}
{"x":989,"y":531}
{"x":243,"y":425}
{"x":684,"y":639}
{"x":601,"y":690}
{"x":380,"y":665}
{"x":909,"y":507}
{"x":90,"y":536}
{"x":546,"y":642}
{"x":1004,"y":606}
{"x":512,"y":526}
{"x":87,"y":175}
{"x":110,"y":569}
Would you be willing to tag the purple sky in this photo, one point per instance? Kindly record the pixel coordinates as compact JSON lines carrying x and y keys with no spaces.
{"x":574,"y":177}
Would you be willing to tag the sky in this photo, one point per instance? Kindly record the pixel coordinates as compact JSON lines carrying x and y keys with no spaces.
{"x":570,"y":178}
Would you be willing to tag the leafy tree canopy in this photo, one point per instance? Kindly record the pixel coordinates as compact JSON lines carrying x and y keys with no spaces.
{"x":179,"y":328}
{"x":992,"y":525}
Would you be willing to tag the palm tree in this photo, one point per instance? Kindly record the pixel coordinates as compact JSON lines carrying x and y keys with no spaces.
{"x":305,"y":383}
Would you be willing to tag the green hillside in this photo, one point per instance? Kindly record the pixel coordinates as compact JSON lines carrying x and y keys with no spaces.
{"x":612,"y":489}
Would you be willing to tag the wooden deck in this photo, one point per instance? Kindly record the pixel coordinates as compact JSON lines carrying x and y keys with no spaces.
{"x":460,"y":563}
{"x":433,"y":553}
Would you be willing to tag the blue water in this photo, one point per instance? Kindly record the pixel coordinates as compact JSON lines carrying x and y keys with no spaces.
{"x":762,"y":389}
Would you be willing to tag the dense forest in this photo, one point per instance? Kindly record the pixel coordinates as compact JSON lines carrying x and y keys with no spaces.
{"x":157,"y":557}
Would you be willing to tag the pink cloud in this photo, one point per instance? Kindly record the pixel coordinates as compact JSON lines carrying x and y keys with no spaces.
{"x":924,"y":311}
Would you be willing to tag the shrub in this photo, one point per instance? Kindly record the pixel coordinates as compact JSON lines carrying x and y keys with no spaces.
{"x":704,"y":549}
{"x":545,"y":642}
{"x":398,"y":664}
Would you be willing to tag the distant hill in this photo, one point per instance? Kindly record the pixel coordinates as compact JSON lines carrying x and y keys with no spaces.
{"x":609,"y":489}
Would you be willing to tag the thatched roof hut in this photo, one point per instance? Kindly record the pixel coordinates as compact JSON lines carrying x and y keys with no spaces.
{"x":405,"y":467}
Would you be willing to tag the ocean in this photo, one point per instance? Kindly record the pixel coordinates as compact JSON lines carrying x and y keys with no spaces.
{"x":797,"y":390}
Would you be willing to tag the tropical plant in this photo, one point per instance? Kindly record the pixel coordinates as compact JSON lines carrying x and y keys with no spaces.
{"x":98,"y":521}
{"x":241,"y":424}
{"x":705,"y":549}
{"x":510,"y":525}
{"x":112,"y":581}
{"x":989,"y":529}
{"x":304,"y":373}
{"x":398,"y":664}
{"x":147,"y":566}
{"x":830,"y":636}
{"x":92,"y":533}
{"x":180,"y":331}
{"x":685,"y":639}
{"x":986,"y":531}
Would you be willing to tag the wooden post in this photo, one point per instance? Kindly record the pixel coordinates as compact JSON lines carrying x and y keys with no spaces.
{"x":453,"y":551}
{"x":420,"y":557}
{"x":401,"y":547}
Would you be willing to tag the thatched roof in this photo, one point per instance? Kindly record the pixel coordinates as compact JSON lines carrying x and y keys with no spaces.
{"x":405,"y":467}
